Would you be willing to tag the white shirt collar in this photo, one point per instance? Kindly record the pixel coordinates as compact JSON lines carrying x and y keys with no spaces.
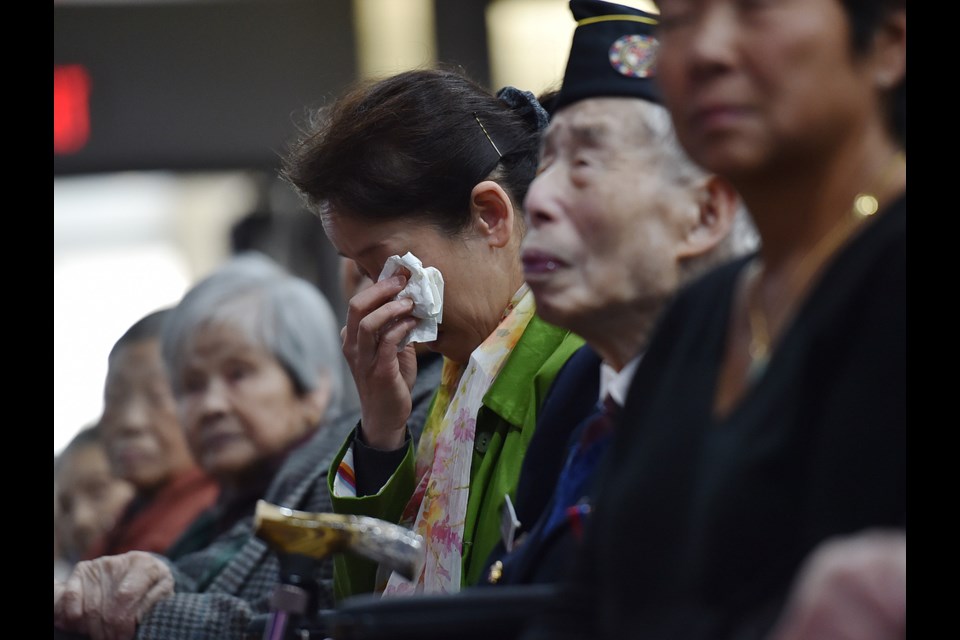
{"x":617,"y":383}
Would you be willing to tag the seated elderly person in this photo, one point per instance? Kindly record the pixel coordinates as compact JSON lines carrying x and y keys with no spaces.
{"x":147,"y":446}
{"x":257,"y":373}
{"x":618,"y":219}
{"x":249,"y":388}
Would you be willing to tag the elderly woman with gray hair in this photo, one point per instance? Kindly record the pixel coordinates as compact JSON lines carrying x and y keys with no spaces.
{"x":256,"y":369}
{"x":255,"y":364}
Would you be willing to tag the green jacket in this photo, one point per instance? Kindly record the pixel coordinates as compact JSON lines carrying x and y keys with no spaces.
{"x":505,"y":425}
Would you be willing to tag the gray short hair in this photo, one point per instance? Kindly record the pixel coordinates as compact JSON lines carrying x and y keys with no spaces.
{"x":286,"y":315}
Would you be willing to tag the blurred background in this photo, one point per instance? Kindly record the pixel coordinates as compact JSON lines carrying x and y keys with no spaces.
{"x":169,"y":119}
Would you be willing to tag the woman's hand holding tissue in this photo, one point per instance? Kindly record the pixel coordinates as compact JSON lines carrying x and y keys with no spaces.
{"x":377,"y":323}
{"x":404,"y":306}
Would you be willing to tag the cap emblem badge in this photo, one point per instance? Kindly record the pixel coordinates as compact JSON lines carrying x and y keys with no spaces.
{"x":634,"y":56}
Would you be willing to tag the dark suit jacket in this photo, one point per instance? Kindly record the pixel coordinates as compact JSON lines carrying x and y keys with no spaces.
{"x":571,"y":400}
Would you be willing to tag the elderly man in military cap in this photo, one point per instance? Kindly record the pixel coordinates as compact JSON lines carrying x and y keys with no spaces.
{"x":618,"y":218}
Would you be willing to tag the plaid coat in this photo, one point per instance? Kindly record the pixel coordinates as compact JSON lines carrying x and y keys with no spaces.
{"x":241,"y":590}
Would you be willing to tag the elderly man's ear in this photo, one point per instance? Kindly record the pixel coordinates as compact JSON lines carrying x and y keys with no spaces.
{"x":718,"y":205}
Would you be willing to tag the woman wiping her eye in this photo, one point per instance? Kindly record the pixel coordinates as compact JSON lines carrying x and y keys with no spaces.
{"x":429,"y":162}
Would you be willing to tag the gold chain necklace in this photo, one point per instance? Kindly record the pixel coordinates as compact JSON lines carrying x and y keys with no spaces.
{"x":865,"y":204}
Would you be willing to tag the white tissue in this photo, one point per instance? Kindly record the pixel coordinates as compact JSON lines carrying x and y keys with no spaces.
{"x":425,"y":288}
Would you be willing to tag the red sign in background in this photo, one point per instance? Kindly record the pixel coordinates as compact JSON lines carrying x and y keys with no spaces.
{"x":71,"y":108}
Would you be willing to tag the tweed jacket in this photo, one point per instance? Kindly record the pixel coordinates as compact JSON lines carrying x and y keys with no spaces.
{"x":224,"y":607}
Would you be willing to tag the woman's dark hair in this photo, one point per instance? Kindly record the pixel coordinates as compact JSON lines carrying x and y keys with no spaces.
{"x":413,"y":146}
{"x":866,"y":16}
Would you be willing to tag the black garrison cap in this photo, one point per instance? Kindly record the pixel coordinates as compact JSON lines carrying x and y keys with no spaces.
{"x":612,"y":54}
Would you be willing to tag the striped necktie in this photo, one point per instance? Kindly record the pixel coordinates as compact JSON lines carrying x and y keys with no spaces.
{"x":570,"y":498}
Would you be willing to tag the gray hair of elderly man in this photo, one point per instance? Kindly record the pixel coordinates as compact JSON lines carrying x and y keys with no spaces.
{"x":677,"y":166}
{"x":286,"y":315}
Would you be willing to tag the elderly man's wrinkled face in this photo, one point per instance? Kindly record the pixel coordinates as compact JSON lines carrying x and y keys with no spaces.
{"x":604,"y":219}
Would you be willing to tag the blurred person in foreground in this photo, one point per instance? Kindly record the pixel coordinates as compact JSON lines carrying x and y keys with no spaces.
{"x":147,"y":446}
{"x":255,"y":366}
{"x":767,"y":420}
{"x":428,"y":162}
{"x":618,"y":219}
{"x":87,"y":497}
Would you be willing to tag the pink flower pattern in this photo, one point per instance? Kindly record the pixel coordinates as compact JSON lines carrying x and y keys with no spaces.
{"x":464,"y":426}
